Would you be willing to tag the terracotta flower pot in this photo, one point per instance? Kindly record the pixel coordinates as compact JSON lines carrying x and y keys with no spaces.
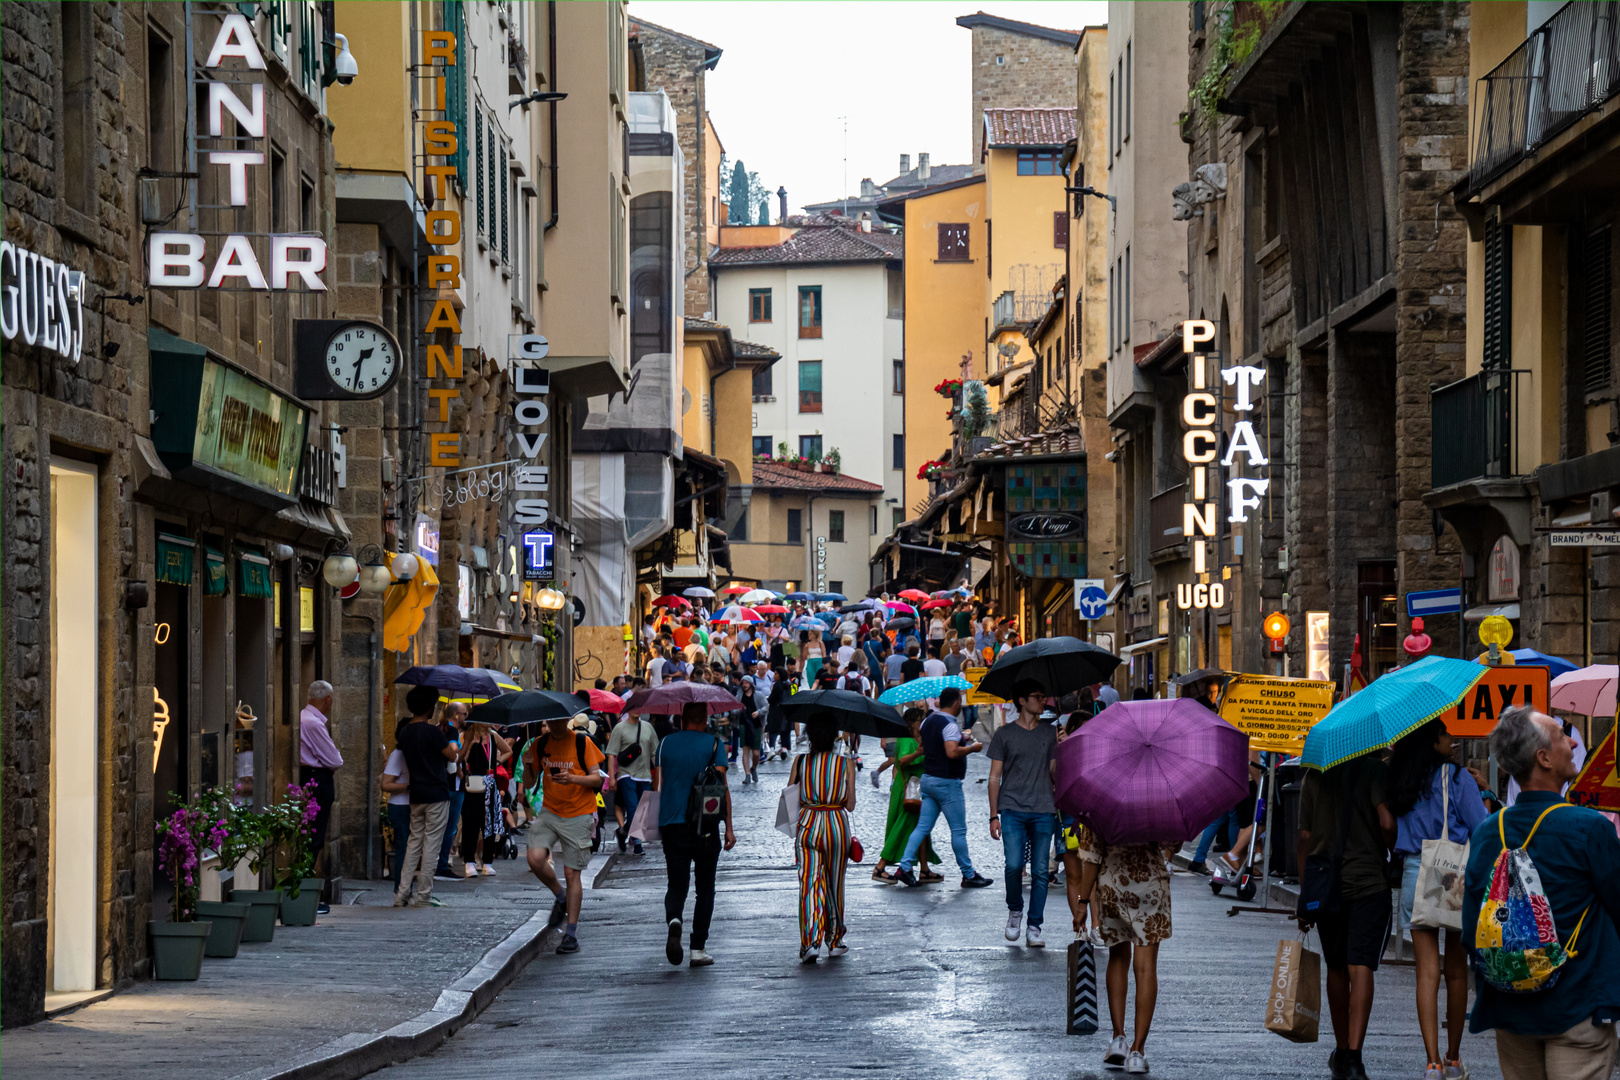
{"x":226,"y":920}
{"x":260,"y":924}
{"x":177,"y":949}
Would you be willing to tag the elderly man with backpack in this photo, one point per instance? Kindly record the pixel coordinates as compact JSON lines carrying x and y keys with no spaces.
{"x":694,"y":804}
{"x":1541,"y":897}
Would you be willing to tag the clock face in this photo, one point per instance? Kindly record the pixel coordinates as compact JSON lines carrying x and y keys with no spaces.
{"x":361,"y":358}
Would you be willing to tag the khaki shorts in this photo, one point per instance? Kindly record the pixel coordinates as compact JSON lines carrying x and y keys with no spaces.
{"x":573,"y":833}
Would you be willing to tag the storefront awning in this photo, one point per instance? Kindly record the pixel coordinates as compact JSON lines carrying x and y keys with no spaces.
{"x":1485,"y":611}
{"x":1143,"y":646}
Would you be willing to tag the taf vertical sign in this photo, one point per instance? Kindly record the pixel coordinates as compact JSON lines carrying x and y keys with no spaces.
{"x":538,"y":555}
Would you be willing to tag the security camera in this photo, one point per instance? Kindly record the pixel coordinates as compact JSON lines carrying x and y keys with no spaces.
{"x":344,"y":67}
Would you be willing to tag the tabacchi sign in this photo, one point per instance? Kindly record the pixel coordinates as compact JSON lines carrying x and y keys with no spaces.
{"x":177,"y":260}
{"x":1200,"y":446}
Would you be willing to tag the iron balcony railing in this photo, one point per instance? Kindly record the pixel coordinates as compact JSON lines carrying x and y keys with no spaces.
{"x":1474,"y":428}
{"x":1568,"y":67}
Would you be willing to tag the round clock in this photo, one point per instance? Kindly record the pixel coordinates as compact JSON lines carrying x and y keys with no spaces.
{"x":361,"y":358}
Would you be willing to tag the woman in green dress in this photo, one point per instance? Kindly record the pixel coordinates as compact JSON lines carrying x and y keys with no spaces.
{"x":907,"y":762}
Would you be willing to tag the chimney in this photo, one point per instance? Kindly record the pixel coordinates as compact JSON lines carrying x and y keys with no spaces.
{"x":781,"y":199}
{"x":905,"y":164}
{"x":866,"y":221}
{"x":868,"y":189}
{"x":923,"y":168}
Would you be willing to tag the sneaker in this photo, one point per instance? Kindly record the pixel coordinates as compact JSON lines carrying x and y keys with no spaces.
{"x":472,"y":870}
{"x":559,"y":912}
{"x":400,"y":901}
{"x":323,"y":908}
{"x":808,"y":956}
{"x":874,"y":779}
{"x":905,"y":877}
{"x":1435,"y":1072}
{"x":1136,"y":1062}
{"x":1456,"y":1070}
{"x":1097,"y":938}
{"x":637,"y":849}
{"x":701,"y":958}
{"x":1015,"y":922}
{"x":1116,"y":1051}
{"x":977,"y":881}
{"x":1032,"y":937}
{"x":487,"y":871}
{"x":620,"y":836}
{"x":568,"y":945}
{"x":446,"y":875}
{"x":836,"y":951}
{"x":434,"y":901}
{"x":672,"y":947}
{"x":1199,"y":868}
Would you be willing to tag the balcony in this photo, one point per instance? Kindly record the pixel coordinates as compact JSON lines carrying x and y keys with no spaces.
{"x":517,"y":64}
{"x":1565,"y":70}
{"x":1474,"y":421}
{"x":1165,"y":519}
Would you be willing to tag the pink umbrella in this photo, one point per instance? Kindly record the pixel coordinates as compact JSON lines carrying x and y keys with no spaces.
{"x":1142,"y":771}
{"x":896,"y":605}
{"x":672,"y":698}
{"x":1589,"y":691}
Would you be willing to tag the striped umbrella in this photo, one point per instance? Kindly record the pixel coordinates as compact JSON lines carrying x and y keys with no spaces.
{"x":1389,"y":707}
{"x":929,"y":686}
{"x":738,"y":614}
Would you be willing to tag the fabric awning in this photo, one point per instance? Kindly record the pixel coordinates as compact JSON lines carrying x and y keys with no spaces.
{"x":1143,"y":646}
{"x":216,"y":576}
{"x":175,"y":558}
{"x":257,"y":581}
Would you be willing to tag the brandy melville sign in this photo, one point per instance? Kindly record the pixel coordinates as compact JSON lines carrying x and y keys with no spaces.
{"x":180,"y":260}
{"x":1200,"y":446}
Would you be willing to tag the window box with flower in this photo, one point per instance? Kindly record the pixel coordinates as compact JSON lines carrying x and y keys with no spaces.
{"x":949,"y":388}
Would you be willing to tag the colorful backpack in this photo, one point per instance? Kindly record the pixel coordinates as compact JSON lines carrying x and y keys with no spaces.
{"x":1515,"y":941}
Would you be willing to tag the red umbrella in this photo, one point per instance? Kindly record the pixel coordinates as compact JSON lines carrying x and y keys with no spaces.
{"x":736,"y":590}
{"x":936,"y":604}
{"x":672,"y":698}
{"x":672,"y":601}
{"x":913,"y":594}
{"x":602,"y":701}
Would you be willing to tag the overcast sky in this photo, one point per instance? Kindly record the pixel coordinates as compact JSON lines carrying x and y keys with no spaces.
{"x":791,"y":71}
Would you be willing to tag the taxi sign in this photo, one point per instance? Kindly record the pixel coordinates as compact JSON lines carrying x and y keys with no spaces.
{"x":1275,"y":713}
{"x":1478,"y":710}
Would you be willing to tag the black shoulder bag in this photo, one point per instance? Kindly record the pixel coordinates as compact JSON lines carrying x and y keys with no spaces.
{"x":1321,"y":879}
{"x":706,"y":802}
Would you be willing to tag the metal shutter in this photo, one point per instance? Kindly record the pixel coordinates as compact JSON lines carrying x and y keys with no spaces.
{"x":1596,"y":335}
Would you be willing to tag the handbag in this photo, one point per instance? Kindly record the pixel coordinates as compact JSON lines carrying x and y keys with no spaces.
{"x":1438,"y":897}
{"x":912,"y":800}
{"x":644,"y":825}
{"x":857,"y":852}
{"x":476,"y":784}
{"x":1294,"y":999}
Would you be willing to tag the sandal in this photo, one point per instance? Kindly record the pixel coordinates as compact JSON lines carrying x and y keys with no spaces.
{"x":879,"y":875}
{"x":928,"y":877}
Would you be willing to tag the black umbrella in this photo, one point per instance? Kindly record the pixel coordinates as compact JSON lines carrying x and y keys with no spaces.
{"x":459,"y":681}
{"x":852,"y":712}
{"x":528,"y":707}
{"x":1059,"y":664}
{"x":900,"y":622}
{"x":1200,"y":675}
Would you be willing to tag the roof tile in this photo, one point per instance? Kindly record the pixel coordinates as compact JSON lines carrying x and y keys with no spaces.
{"x":818,"y":244}
{"x":1029,"y":127}
{"x":776,"y":474}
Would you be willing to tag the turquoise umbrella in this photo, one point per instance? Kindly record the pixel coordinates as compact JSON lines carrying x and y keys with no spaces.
{"x":921,"y":689}
{"x":1389,"y":707}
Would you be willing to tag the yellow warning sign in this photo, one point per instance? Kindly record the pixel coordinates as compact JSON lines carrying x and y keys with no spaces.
{"x":1275,"y":713}
{"x":975,"y":675}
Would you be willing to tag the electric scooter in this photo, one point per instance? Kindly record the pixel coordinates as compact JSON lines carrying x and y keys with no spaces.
{"x":1243,"y":882}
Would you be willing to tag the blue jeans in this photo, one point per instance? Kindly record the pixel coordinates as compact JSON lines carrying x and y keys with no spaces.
{"x":941,"y":796}
{"x":630,"y":790}
{"x":1017,"y":829}
{"x":399,"y":816}
{"x":449,"y":841}
{"x":1205,"y":842}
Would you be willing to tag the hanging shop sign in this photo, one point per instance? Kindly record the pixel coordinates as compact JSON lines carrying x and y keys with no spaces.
{"x":42,"y":300}
{"x":1276,"y":714}
{"x":1200,"y":446}
{"x":539,"y":549}
{"x":1046,"y":520}
{"x":427,"y":538}
{"x":181,"y":260}
{"x":531,"y":480}
{"x":1514,"y":684}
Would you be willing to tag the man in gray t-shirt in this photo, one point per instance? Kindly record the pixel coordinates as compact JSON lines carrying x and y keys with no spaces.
{"x":1022,"y":810}
{"x":891,"y":668}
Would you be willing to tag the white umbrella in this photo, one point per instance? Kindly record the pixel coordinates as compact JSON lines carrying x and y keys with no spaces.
{"x":757,"y":596}
{"x":700,"y":592}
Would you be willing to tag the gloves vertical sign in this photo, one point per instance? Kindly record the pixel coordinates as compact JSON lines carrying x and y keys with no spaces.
{"x":532,"y":477}
{"x":441,"y":140}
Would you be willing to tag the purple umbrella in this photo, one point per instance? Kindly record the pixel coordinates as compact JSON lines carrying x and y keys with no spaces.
{"x":1143,"y":771}
{"x":672,"y":698}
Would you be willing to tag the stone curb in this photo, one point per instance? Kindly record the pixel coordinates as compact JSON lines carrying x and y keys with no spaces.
{"x":359,"y":1053}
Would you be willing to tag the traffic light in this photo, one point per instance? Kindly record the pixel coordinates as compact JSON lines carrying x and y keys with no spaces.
{"x":1276,"y":628}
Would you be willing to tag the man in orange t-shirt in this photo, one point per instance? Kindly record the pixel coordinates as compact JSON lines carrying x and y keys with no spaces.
{"x":570,"y":764}
{"x":683,"y":635}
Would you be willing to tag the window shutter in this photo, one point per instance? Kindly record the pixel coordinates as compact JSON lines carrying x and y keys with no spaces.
{"x":455,"y":87}
{"x":494,"y":200}
{"x":1498,"y":295}
{"x":1060,"y":229}
{"x":478,"y":165}
{"x":1596,"y":311}
{"x":505,"y":180}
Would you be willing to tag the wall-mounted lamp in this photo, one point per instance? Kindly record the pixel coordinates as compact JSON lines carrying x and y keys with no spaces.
{"x":538,"y":95}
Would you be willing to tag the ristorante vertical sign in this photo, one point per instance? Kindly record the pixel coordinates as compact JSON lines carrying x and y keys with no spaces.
{"x":441,"y":139}
{"x":178,"y":260}
{"x":1200,"y":446}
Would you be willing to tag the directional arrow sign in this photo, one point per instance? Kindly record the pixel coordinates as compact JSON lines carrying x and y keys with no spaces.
{"x":1090,"y":598}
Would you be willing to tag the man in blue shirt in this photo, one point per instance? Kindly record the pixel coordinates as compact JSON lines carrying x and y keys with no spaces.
{"x":681,"y":757}
{"x":945,"y":751}
{"x":1566,"y":1031}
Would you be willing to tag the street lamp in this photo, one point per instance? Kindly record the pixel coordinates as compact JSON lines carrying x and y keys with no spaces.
{"x":340,"y":569}
{"x":404,"y":566}
{"x":538,"y":95}
{"x":374,"y":575}
{"x":1113,"y":203}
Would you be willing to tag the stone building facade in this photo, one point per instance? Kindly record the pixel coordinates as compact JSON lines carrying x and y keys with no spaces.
{"x":677,"y":65}
{"x":1017,"y":65}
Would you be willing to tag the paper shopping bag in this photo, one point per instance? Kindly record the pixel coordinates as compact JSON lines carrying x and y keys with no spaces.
{"x":1294,"y":1004}
{"x":644,"y":826}
{"x":787,"y":811}
{"x":1082,"y":987}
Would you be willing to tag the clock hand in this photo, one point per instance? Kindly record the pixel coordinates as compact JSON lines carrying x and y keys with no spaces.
{"x":364,"y":355}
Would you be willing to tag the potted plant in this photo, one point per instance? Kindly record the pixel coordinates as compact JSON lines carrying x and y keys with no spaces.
{"x":834,"y":461}
{"x":294,"y":818}
{"x":226,"y":917}
{"x":178,"y":945}
{"x":251,"y":839}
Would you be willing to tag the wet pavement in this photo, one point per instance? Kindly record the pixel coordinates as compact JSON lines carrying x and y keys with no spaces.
{"x":929,"y":989}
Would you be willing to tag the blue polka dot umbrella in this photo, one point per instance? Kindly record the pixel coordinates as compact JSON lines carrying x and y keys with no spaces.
{"x":1389,"y":707}
{"x":929,"y":686}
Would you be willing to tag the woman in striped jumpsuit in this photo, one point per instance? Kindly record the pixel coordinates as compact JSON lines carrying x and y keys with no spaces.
{"x":826,"y":782}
